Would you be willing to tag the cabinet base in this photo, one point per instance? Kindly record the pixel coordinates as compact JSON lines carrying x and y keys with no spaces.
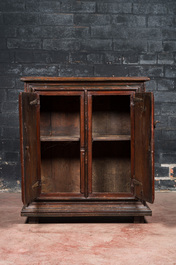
{"x":79,"y":209}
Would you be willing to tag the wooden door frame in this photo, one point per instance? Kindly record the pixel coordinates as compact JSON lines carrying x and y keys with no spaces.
{"x":82,"y":193}
{"x":108,"y":195}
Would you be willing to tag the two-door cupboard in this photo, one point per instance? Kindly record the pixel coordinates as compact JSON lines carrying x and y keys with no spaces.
{"x":87,"y":147}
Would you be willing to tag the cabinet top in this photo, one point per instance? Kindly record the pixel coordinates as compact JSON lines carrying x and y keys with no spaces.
{"x":83,"y":79}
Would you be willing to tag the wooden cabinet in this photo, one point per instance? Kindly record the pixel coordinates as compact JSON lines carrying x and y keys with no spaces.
{"x":86,"y":147}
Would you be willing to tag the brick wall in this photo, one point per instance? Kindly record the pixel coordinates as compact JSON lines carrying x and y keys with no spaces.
{"x":88,"y":38}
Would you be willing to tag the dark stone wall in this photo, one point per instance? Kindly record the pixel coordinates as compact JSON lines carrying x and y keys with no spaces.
{"x":88,"y":38}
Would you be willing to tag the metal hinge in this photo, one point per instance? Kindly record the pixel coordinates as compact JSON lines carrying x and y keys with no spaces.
{"x":138,"y":99}
{"x":35,"y":102}
{"x":36,"y":184}
{"x":155,"y":123}
{"x":137,"y":182}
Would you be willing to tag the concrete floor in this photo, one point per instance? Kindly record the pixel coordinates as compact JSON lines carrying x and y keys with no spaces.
{"x":88,"y":242}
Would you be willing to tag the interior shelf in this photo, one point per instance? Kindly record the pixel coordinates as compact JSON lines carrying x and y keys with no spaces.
{"x":59,"y":138}
{"x":112,"y":138}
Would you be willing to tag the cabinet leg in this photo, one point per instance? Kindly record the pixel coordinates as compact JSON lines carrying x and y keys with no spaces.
{"x":138,"y":219}
{"x":33,"y":220}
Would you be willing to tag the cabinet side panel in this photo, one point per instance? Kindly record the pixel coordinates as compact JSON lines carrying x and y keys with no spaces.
{"x":21,"y":146}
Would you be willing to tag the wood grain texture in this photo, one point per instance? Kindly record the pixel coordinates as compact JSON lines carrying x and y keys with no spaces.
{"x":111,"y":115}
{"x":60,"y":167}
{"x":143,"y":146}
{"x":111,"y":167}
{"x":83,"y":79}
{"x":94,"y":135}
{"x":29,"y":114}
{"x":68,"y":87}
{"x":109,"y":137}
{"x":56,"y":209}
{"x":60,"y":116}
{"x":59,"y":138}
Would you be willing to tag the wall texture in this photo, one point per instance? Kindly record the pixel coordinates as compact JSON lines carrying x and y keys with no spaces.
{"x":88,"y":38}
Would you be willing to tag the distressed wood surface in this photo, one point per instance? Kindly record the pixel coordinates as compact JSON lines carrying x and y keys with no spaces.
{"x":56,"y":209}
{"x":111,"y":167}
{"x":143,"y":181}
{"x":90,"y":79}
{"x":60,"y":167}
{"x":111,"y":115}
{"x":90,"y":137}
{"x":60,"y":116}
{"x":30,"y":148}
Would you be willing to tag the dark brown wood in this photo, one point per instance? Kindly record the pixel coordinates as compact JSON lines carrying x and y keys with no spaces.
{"x":56,"y":209}
{"x":60,"y":167}
{"x":143,"y":180}
{"x":86,"y":143}
{"x":111,"y":167}
{"x":111,"y":115}
{"x":82,"y":145}
{"x":85,"y":131}
{"x":90,"y":79}
{"x":132,"y":139}
{"x":89,"y":132}
{"x":30,"y":150}
{"x":89,"y":86}
{"x":78,"y":196}
{"x":60,"y":116}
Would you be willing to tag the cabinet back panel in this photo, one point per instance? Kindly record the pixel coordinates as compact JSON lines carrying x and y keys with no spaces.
{"x":111,"y":115}
{"x":60,"y":167}
{"x":111,"y":167}
{"x":60,"y":116}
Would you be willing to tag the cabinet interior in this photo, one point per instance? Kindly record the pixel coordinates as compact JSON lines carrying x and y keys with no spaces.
{"x":111,"y":167}
{"x":111,"y":149}
{"x":60,"y":144}
{"x":60,"y":167}
{"x":59,"y":117}
{"x":110,"y":116}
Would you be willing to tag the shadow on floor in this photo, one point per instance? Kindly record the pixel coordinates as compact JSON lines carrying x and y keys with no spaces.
{"x":62,"y":220}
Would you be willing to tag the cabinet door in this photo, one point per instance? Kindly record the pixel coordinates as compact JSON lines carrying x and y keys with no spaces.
{"x":143,"y":180}
{"x":30,"y":145}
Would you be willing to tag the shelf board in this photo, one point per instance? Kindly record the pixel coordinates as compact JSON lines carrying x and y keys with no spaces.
{"x":59,"y":138}
{"x":112,"y":138}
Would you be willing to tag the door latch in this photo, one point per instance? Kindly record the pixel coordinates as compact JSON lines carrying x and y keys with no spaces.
{"x":155,"y":123}
{"x":36,"y":184}
{"x":35,"y":102}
